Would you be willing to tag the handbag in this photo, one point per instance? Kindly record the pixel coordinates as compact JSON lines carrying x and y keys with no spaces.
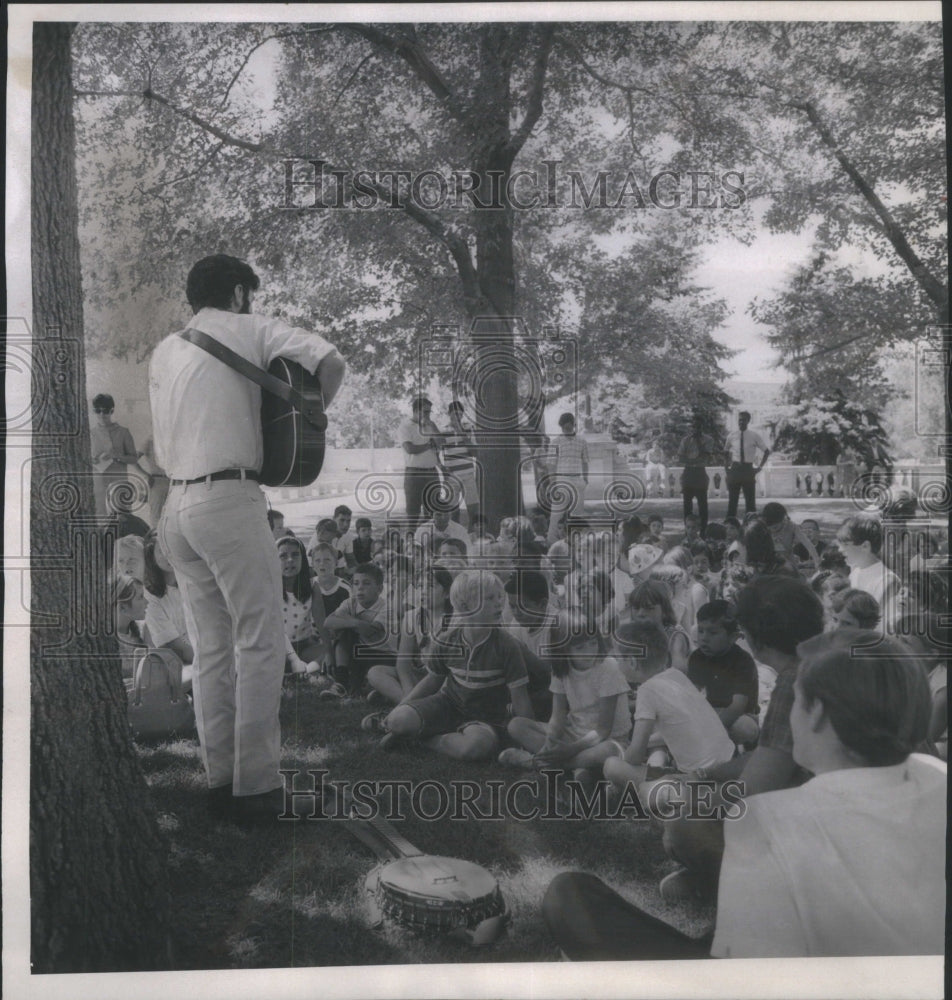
{"x":293,"y":422}
{"x":158,"y":707}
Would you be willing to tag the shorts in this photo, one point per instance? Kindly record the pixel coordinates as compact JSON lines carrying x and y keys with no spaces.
{"x":440,"y":714}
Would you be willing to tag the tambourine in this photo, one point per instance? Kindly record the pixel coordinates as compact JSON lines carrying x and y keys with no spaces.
{"x":426,"y":893}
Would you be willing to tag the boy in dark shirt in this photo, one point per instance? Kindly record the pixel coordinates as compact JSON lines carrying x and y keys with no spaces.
{"x":363,"y":543}
{"x":726,"y":673}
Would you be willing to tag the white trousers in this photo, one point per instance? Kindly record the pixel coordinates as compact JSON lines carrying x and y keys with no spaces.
{"x":217,"y":539}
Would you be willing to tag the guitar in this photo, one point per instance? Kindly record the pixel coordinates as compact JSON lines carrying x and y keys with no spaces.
{"x":293,"y":423}
{"x":293,"y":427}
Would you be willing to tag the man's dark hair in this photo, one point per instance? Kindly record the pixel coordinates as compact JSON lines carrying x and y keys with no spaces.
{"x":744,"y":413}
{"x":103,"y":401}
{"x":528,"y":585}
{"x":211,"y":282}
{"x":566,"y":418}
{"x":878,"y":705}
{"x":779,"y":612}
{"x":343,"y":509}
{"x":370,"y":569}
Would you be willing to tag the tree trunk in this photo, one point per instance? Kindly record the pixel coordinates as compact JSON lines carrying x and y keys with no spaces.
{"x":97,"y":861}
{"x":498,"y":431}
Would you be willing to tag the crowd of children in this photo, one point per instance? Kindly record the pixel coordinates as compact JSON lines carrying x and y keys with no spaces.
{"x":615,"y":651}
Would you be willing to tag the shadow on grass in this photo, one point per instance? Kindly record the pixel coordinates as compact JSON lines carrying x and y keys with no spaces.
{"x":292,"y":896}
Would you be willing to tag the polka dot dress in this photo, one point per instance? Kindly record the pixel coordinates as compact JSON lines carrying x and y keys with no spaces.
{"x":297,"y":618}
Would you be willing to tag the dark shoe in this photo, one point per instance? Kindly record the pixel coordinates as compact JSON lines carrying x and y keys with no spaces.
{"x":259,"y":810}
{"x":218,"y":801}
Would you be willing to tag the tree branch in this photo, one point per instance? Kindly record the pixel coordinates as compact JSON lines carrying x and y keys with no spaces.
{"x":534,"y":102}
{"x":934,"y":288}
{"x":254,"y":48}
{"x":409,"y":50}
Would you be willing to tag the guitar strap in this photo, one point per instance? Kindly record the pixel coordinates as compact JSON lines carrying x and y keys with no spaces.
{"x":267,"y":382}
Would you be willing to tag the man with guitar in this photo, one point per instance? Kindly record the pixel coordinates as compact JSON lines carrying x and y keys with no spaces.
{"x":208,"y":437}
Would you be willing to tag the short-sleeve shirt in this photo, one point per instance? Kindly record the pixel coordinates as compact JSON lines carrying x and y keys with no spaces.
{"x":571,"y":455}
{"x":722,"y":677}
{"x":689,"y":726}
{"x":112,"y":438}
{"x":584,"y":689}
{"x":409,"y":433}
{"x":165,"y":616}
{"x":332,"y":599}
{"x":379,"y":613}
{"x":479,"y":679}
{"x":456,"y":453}
{"x":754,"y":444}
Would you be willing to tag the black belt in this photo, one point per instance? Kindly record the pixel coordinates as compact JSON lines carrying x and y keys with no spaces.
{"x":215,"y":476}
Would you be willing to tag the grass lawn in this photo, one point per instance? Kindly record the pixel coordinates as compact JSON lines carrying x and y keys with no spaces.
{"x":293,"y":896}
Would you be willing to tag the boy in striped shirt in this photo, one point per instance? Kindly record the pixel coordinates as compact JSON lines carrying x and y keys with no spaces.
{"x":476,"y":678}
{"x":459,"y":463}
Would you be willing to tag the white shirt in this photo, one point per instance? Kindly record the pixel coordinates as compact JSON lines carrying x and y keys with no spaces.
{"x":584,"y":689}
{"x":165,"y":617}
{"x":851,"y":863}
{"x":409,"y":433}
{"x":878,"y":581}
{"x":754,"y":444}
{"x":685,"y":720}
{"x":205,"y":416}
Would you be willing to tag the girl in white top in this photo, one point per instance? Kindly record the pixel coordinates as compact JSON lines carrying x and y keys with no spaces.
{"x":590,"y":721}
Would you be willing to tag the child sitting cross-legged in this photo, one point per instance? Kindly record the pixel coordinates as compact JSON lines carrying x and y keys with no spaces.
{"x":302,"y":615}
{"x":725,"y":672}
{"x":361,"y":632}
{"x":668,"y":705}
{"x":475,"y":678}
{"x":420,"y":626}
{"x":590,"y":720}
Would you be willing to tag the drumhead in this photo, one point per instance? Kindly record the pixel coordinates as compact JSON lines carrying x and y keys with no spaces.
{"x":437,"y":878}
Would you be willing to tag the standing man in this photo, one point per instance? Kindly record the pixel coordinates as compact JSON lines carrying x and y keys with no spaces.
{"x":695,"y":451}
{"x":743,"y":447}
{"x":214,"y":528}
{"x":113,"y":450}
{"x":570,"y":456}
{"x":420,"y":439}
{"x":460,"y":463}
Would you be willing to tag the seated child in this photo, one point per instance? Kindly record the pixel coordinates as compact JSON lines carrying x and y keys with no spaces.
{"x":589,"y":721}
{"x":332,"y":589}
{"x":733,"y":537}
{"x":475,"y":674}
{"x":326,"y":534}
{"x":787,"y":535}
{"x":853,"y":608}
{"x":362,"y":621}
{"x":362,"y":548}
{"x":420,"y":626}
{"x":656,"y":532}
{"x":652,"y":599}
{"x":165,"y":624}
{"x":692,"y":530}
{"x":811,"y":529}
{"x":667,"y":704}
{"x":725,"y":672}
{"x":303,"y":642}
{"x":530,"y":620}
{"x":129,"y":600}
{"x":452,"y":548}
